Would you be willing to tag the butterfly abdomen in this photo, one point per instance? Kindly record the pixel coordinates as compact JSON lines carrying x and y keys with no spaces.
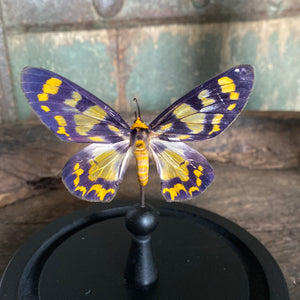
{"x":142,"y":161}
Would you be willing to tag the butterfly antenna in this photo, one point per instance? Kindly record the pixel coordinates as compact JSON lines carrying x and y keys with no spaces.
{"x":138,"y":107}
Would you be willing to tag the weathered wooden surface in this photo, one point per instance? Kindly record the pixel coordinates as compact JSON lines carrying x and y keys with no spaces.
{"x":256,"y":163}
{"x":30,"y":153}
{"x":265,"y":202}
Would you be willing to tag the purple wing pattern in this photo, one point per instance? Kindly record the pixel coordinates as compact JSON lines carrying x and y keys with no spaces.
{"x":71,"y":112}
{"x":207,"y":110}
{"x":183,"y":171}
{"x":94,"y":173}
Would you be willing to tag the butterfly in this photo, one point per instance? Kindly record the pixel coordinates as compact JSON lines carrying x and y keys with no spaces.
{"x":94,"y":173}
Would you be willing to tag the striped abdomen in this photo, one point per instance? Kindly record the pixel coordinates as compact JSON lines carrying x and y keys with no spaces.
{"x":142,"y":161}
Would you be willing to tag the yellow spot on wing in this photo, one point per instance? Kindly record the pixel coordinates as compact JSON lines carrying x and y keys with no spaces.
{"x":196,"y":128}
{"x":198,"y":181}
{"x":203,"y":94}
{"x":45,"y":108}
{"x":227,"y":85}
{"x":217,"y":119}
{"x":228,"y":88}
{"x":195,"y":122}
{"x":100,"y":191}
{"x":50,"y":89}
{"x":193,"y":189}
{"x":104,"y":166}
{"x":231,"y":106}
{"x":184,"y":137}
{"x":84,"y":124}
{"x":54,"y":81}
{"x":207,"y":101}
{"x":138,"y":123}
{"x":78,"y":172}
{"x":175,"y":190}
{"x":75,"y":98}
{"x":60,"y":120}
{"x":197,"y":173}
{"x":85,"y":120}
{"x":96,"y":112}
{"x":42,"y":97}
{"x":96,"y":139}
{"x":173,"y":165}
{"x":82,"y":189}
{"x":113,"y":128}
{"x":224,"y":80}
{"x":165,"y":127}
{"x":198,"y":118}
{"x":215,"y":129}
{"x":61,"y":123}
{"x":184,"y":110}
{"x":62,"y":130}
{"x":51,"y":86}
{"x":234,"y":96}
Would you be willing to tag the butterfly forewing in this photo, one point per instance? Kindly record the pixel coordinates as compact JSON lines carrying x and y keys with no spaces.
{"x":184,"y":172}
{"x":71,"y":112}
{"x":94,"y":173}
{"x":207,"y":110}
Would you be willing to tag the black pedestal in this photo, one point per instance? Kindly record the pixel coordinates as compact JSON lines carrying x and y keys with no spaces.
{"x":198,"y":255}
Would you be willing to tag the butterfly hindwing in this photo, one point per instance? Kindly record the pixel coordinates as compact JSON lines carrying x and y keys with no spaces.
{"x":183,"y":171}
{"x":94,"y":173}
{"x":207,"y":110}
{"x":71,"y":112}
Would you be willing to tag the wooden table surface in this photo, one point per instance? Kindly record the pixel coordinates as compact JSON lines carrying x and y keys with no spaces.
{"x":264,"y":202}
{"x":257,"y":183}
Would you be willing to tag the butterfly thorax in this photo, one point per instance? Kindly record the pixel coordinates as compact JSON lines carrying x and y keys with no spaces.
{"x":139,"y":143}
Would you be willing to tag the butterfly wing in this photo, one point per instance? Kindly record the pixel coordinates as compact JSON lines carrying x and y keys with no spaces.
{"x":94,"y":173}
{"x":71,"y":112}
{"x":207,"y":110}
{"x":183,"y":171}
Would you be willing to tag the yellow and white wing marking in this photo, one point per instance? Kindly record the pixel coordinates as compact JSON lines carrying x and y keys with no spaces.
{"x":183,"y":171}
{"x":94,"y":173}
{"x":208,"y":109}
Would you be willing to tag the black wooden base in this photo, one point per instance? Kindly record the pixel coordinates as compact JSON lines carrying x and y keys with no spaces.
{"x":198,"y":255}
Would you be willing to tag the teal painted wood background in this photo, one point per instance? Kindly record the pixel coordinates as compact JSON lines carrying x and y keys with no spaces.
{"x":156,"y":51}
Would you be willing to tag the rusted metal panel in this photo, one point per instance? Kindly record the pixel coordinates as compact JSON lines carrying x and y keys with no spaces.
{"x":165,"y":62}
{"x":38,"y":14}
{"x":88,"y":58}
{"x":7,"y":103}
{"x":157,"y":63}
{"x":46,"y":13}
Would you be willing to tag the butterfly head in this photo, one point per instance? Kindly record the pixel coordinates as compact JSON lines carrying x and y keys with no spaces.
{"x":138,"y":123}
